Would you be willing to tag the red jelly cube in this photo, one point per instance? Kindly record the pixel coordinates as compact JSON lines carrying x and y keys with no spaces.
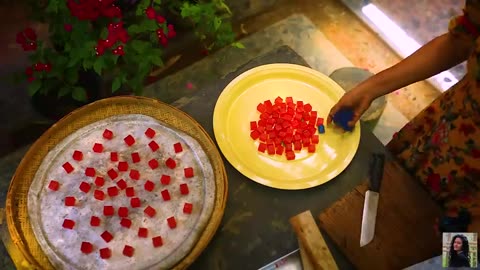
{"x":99,"y":195}
{"x":183,"y":189}
{"x":130,"y":192}
{"x":279,"y":150}
{"x":53,"y":185}
{"x":128,"y":251}
{"x":165,"y":195}
{"x":105,"y":253}
{"x":86,"y":247}
{"x":261,"y":108}
{"x":307,"y":107}
{"x":255,"y":134}
{"x":112,"y":191}
{"x":98,"y":148}
{"x":85,"y":187}
{"x":149,"y":185}
{"x":157,"y":241}
{"x":172,"y":223}
{"x":154,"y":146}
{"x":135,"y":202}
{"x":253,"y":126}
{"x":263,"y":137}
{"x":77,"y":155}
{"x":108,"y":210}
{"x":289,"y":100}
{"x":90,"y":172}
{"x":311,"y":148}
{"x":99,"y":181}
{"x":123,"y":166}
{"x":171,"y":163}
{"x":150,"y":211}
{"x":107,"y":134}
{"x":68,"y":224}
{"x":142,"y":232}
{"x":129,"y":140}
{"x":135,"y":157}
{"x":112,"y":174}
{"x":67,"y":167}
{"x":153,"y":163}
{"x":188,"y":172}
{"x":94,"y":221}
{"x":107,"y":236}
{"x":315,"y":139}
{"x":297,"y":145}
{"x":114,"y":156}
{"x":271,"y":149}
{"x":121,"y":184}
{"x":165,"y":179}
{"x":125,"y":222}
{"x":290,"y":155}
{"x":319,"y":121}
{"x":262,"y":147}
{"x":69,"y":201}
{"x":178,"y":147}
{"x":150,"y":133}
{"x":134,"y":174}
{"x":187,"y":208}
{"x":123,"y":211}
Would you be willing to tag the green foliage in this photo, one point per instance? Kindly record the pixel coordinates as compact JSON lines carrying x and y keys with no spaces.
{"x":72,"y":51}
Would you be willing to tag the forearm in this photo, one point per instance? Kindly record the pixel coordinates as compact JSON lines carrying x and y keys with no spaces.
{"x":436,"y":56}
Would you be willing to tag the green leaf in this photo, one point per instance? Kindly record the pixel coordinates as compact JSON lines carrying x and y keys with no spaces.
{"x":156,"y":59}
{"x":79,"y":94}
{"x":34,"y":86}
{"x":104,"y":33}
{"x":141,"y":6}
{"x":134,"y":29}
{"x":99,"y":65}
{"x":148,"y":26}
{"x":216,"y":23}
{"x":64,"y":91}
{"x":158,"y":2}
{"x":238,"y":45}
{"x":71,"y":75}
{"x":53,"y":6}
{"x":88,"y":63}
{"x":117,"y":82}
{"x":140,"y":46}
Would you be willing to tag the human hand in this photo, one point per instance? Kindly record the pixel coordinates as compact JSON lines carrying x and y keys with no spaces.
{"x":355,"y":101}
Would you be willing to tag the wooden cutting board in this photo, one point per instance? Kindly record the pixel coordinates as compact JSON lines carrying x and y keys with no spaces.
{"x":404,"y":232}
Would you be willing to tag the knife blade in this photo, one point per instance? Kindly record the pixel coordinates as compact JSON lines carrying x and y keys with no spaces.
{"x":370,"y":206}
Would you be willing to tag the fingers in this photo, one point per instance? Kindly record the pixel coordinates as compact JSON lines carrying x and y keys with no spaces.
{"x":333,"y":111}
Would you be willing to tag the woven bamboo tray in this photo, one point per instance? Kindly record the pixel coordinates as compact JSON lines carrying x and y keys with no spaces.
{"x":18,"y":221}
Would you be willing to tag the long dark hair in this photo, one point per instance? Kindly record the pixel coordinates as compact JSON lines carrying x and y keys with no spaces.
{"x":465,"y":246}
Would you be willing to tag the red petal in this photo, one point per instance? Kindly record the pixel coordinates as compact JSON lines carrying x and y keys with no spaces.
{"x":70,"y":201}
{"x":86,"y":247}
{"x":157,"y":241}
{"x":150,"y":133}
{"x":143,"y":232}
{"x":53,"y":185}
{"x":68,"y":224}
{"x":107,"y":236}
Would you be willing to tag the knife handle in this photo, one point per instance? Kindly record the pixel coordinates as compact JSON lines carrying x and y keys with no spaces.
{"x":376,"y":171}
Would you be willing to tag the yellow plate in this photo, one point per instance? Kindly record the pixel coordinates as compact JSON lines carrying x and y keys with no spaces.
{"x":236,"y":107}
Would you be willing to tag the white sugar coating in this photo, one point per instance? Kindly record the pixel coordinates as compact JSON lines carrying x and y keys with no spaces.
{"x":47,"y":209}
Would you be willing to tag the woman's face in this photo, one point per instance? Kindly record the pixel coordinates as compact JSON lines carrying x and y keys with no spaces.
{"x":457,"y":245}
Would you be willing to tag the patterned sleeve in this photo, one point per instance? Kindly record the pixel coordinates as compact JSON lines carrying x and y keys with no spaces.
{"x":464,"y":25}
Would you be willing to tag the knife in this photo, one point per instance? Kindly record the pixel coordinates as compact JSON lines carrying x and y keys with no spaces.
{"x":370,"y":206}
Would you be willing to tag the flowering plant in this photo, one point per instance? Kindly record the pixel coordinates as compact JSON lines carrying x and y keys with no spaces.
{"x":121,"y":40}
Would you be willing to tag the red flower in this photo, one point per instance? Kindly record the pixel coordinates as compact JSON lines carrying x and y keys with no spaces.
{"x":39,"y":66}
{"x":433,"y":181}
{"x":475,"y":153}
{"x":160,"y":19}
{"x":29,"y":71}
{"x":21,"y":39}
{"x":171,"y":31}
{"x":467,"y":129}
{"x":30,"y":34}
{"x":150,"y":12}
{"x":68,"y":27}
{"x":47,"y":67}
{"x":30,"y":79}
